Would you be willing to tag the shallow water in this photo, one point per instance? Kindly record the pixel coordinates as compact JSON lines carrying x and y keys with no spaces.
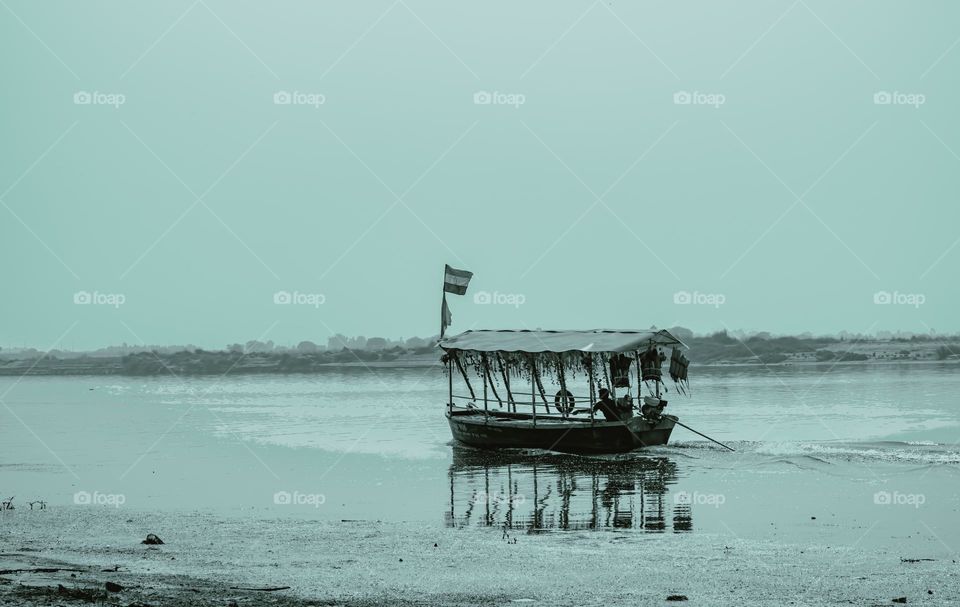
{"x":863,"y":448}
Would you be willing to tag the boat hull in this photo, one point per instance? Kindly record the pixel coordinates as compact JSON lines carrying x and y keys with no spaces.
{"x":472,"y":427}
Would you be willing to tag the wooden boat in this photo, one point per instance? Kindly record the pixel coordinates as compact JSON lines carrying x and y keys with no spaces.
{"x":595,"y":364}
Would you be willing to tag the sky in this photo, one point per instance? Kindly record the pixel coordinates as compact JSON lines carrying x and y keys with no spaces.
{"x":208,"y":172}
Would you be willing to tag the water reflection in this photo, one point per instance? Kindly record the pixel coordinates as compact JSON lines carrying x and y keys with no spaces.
{"x":541,"y":491}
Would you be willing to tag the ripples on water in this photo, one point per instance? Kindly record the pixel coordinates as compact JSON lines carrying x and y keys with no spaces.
{"x":847,"y":421}
{"x":399,"y":412}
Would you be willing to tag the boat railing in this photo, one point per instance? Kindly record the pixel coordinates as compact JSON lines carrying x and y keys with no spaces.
{"x":578,"y":401}
{"x":523,"y":402}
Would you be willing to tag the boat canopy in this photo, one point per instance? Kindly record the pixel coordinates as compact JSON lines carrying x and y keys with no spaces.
{"x":596,"y":340}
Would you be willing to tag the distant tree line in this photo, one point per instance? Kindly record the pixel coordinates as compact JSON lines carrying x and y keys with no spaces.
{"x":203,"y":362}
{"x":721,"y":347}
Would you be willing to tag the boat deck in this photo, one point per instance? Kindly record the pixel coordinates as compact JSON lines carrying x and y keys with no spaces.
{"x":500,"y":416}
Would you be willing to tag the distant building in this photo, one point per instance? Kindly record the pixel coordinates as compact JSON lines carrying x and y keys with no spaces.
{"x":338,"y":342}
{"x":415,"y":342}
{"x":307,"y":347}
{"x":376,"y":343}
{"x":259,"y":346}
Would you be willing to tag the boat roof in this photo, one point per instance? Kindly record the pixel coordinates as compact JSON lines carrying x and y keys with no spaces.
{"x":595,"y":340}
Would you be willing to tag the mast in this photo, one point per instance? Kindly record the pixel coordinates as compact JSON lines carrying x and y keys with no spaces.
{"x":506,"y":382}
{"x":483,"y":359}
{"x":533,"y":389}
{"x":656,"y":382}
{"x":592,"y":387}
{"x":563,"y":385}
{"x":449,"y":384}
{"x":613,"y":378}
{"x":636,"y":355}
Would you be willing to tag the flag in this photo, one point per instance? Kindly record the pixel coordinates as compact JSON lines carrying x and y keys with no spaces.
{"x":456,"y":281}
{"x":445,"y":316}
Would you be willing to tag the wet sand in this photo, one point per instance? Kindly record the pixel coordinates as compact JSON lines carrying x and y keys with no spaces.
{"x":371,"y":563}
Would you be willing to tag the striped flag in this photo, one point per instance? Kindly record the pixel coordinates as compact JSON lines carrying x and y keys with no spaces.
{"x":454,"y":281}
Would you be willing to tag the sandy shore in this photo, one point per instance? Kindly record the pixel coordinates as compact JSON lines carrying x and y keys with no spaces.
{"x":205,"y":558}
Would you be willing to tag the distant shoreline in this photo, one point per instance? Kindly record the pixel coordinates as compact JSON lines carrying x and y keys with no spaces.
{"x":203,"y":363}
{"x":163,"y":365}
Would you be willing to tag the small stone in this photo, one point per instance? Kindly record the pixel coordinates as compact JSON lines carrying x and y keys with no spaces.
{"x":113,"y":587}
{"x":152,"y":540}
{"x":902,"y":599}
{"x":677,"y":597}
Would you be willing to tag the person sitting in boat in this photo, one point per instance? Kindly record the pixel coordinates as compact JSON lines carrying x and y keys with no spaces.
{"x":607,"y":406}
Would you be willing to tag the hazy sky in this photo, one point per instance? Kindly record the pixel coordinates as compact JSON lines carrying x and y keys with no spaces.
{"x":780,"y":165}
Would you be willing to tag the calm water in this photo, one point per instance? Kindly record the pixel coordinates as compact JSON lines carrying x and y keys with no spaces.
{"x":831,"y":443}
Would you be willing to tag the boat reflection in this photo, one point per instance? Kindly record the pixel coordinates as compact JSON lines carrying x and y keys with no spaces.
{"x":542,"y":491}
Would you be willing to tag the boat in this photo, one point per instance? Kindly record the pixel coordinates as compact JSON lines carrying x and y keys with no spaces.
{"x":599,"y":376}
